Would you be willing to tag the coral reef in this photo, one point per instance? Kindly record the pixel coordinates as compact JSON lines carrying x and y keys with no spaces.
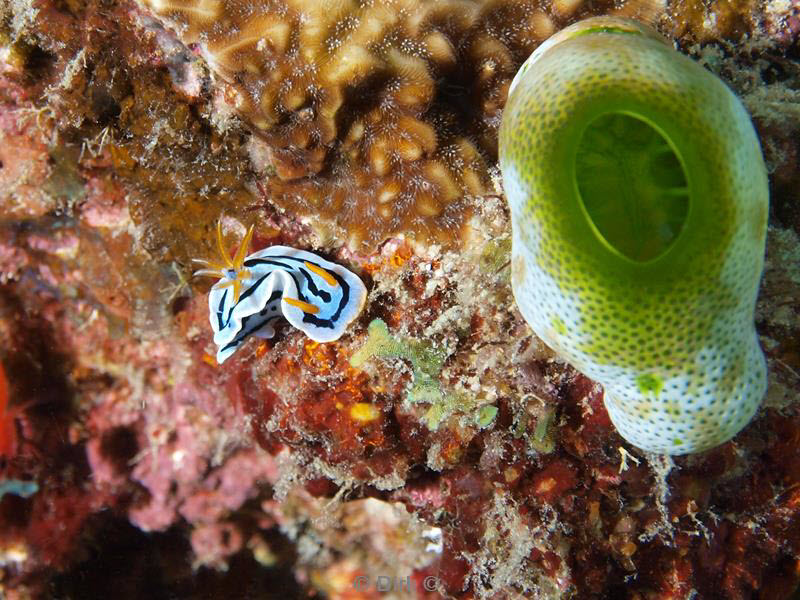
{"x":704,"y":21}
{"x":142,"y":468}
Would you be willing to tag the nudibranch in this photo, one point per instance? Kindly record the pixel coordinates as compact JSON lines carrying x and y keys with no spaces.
{"x":316,"y":296}
{"x":639,"y":204}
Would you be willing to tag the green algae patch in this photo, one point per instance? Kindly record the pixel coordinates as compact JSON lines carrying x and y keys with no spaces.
{"x":486,"y":416}
{"x":426,"y":365}
{"x":426,"y":362}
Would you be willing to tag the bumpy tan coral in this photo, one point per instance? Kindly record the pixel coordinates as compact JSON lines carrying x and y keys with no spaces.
{"x":379,"y":115}
{"x":704,"y":21}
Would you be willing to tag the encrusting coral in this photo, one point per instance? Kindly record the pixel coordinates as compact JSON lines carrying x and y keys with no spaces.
{"x":639,"y":203}
{"x":379,"y":116}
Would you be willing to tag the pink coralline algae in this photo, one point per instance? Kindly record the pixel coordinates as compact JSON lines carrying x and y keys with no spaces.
{"x":469,"y":461}
{"x":178,"y":469}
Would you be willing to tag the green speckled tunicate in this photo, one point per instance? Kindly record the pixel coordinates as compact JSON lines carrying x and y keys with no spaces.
{"x":639,"y":202}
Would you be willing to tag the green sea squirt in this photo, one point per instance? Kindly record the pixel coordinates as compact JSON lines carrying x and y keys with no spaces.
{"x":639,"y":204}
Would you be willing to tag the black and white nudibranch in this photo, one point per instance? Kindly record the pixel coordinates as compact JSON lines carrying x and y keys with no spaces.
{"x":316,"y":296}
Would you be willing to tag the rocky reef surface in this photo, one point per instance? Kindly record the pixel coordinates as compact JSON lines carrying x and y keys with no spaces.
{"x":438,"y":445}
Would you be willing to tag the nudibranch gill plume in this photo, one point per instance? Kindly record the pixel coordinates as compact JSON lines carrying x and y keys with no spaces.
{"x":639,"y":205}
{"x":316,"y":296}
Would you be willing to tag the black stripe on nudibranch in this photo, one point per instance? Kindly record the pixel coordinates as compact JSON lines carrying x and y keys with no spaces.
{"x":248,"y":292}
{"x":330,"y":322}
{"x":244,"y":331}
{"x":253,"y":288}
{"x":254,"y":262}
{"x":312,"y":286}
{"x":220,"y":311}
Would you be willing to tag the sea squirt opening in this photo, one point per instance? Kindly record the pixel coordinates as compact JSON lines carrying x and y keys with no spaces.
{"x":632,"y":186}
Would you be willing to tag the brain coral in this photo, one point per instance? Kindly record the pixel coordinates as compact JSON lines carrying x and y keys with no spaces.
{"x":639,"y":205}
{"x":379,"y":115}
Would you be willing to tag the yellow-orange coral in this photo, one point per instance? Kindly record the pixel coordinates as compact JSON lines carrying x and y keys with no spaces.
{"x":378,"y":115}
{"x":704,"y":21}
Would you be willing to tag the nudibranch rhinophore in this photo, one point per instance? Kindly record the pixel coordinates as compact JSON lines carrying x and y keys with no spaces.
{"x":639,"y":205}
{"x":318,"y":297}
